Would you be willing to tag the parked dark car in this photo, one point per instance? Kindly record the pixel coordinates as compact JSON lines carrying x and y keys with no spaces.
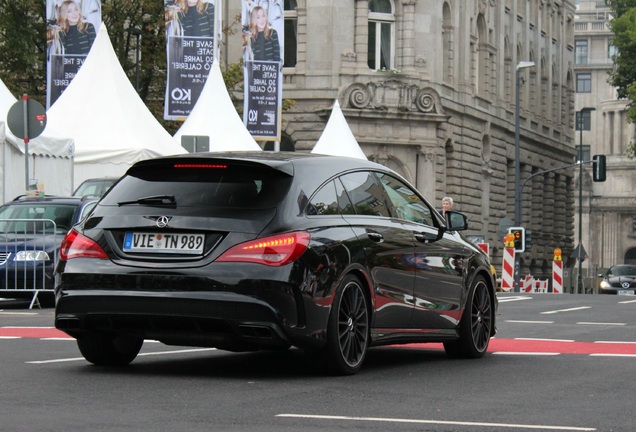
{"x":95,"y":187}
{"x":31,"y":232}
{"x":619,"y":279}
{"x":248,"y":251}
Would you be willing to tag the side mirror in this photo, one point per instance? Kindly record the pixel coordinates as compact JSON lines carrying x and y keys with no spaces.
{"x":456,"y":221}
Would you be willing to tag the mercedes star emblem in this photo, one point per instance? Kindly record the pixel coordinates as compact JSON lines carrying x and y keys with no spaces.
{"x":162,"y":221}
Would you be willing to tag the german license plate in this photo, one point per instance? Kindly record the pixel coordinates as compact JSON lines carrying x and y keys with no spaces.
{"x":171,"y":243}
{"x":625,"y":292}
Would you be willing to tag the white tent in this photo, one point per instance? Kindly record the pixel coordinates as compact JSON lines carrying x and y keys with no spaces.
{"x":337,"y":138}
{"x":214,"y":116}
{"x":111,"y":125}
{"x":50,"y":157}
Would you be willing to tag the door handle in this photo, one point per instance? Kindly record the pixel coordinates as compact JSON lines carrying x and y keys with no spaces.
{"x":421,"y":237}
{"x":377,"y":237}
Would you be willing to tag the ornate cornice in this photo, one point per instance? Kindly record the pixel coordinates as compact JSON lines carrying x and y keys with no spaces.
{"x":393,"y":95}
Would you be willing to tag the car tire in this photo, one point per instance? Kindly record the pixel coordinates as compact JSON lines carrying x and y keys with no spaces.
{"x":475,"y":328}
{"x":103,"y":350}
{"x":348,"y":328}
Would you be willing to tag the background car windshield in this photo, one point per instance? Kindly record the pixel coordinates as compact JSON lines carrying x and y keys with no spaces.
{"x":203,"y":185}
{"x":623,"y":271}
{"x":62,"y":215}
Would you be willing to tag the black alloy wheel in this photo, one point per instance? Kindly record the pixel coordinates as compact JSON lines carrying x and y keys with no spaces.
{"x":348,"y":329}
{"x":475,"y":328}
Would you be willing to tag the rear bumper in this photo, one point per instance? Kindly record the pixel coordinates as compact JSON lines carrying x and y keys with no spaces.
{"x":224,"y":320}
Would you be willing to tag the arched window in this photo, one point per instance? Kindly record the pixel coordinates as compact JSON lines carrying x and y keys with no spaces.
{"x":286,"y":144}
{"x":447,"y":38}
{"x":483,"y":57}
{"x":291,"y":33}
{"x":381,"y":34}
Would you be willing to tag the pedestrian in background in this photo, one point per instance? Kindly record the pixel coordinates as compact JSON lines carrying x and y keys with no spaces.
{"x":447,"y":205}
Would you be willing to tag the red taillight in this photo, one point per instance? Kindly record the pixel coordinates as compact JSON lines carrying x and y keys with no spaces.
{"x":76,"y":245}
{"x":274,"y":251}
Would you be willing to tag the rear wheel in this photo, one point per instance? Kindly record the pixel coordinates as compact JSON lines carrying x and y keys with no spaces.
{"x":348,"y":328}
{"x":476,"y":324}
{"x":103,"y":350}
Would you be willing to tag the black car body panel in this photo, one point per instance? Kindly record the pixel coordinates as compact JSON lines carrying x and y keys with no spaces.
{"x":416,"y":275}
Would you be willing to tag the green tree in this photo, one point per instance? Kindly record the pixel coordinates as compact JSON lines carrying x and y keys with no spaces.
{"x":23,"y":47}
{"x":623,"y":75}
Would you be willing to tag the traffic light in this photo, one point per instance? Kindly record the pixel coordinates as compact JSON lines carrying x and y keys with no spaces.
{"x":520,"y":238}
{"x":598,"y":168}
{"x":528,"y":240}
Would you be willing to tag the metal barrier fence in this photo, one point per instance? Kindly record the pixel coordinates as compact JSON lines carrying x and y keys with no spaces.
{"x":28,"y":256}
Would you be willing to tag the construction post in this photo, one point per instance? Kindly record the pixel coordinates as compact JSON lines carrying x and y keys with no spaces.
{"x":557,"y":272}
{"x":507,"y":272}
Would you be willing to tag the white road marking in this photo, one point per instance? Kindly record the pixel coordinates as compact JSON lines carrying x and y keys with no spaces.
{"x":27,"y":327}
{"x":140,"y":355}
{"x":613,"y":355}
{"x":2,"y":312}
{"x":615,"y":342}
{"x":530,"y":322}
{"x":545,"y":340}
{"x":517,"y":353}
{"x":601,"y":323}
{"x":627,"y":301}
{"x":437,"y":422}
{"x":565,"y":310}
{"x":512,"y":299}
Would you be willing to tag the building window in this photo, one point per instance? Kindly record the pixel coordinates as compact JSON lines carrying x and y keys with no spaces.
{"x":291,"y":33}
{"x":584,"y":83}
{"x":580,"y":51}
{"x":585,"y":153}
{"x":584,"y":123}
{"x":381,"y":34}
{"x":612,"y":51}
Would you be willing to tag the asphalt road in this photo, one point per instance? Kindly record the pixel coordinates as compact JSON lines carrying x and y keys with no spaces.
{"x":558,"y":363}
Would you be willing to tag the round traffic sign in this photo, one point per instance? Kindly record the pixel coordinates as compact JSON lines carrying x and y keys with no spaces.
{"x":35,"y":116}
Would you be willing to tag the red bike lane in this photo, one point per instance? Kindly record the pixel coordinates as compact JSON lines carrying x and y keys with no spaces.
{"x":521,"y":346}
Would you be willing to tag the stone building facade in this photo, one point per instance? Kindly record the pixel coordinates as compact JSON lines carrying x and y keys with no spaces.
{"x":428,"y":89}
{"x":608,"y":208}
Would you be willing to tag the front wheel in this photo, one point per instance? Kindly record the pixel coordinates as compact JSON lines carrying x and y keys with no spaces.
{"x":103,"y":350}
{"x":476,"y":324}
{"x":348,"y":328}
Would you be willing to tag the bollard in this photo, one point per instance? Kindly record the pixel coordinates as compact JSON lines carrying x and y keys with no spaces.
{"x":557,"y":272}
{"x":507,"y":272}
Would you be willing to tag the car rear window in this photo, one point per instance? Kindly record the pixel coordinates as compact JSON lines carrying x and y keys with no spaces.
{"x":203,"y":184}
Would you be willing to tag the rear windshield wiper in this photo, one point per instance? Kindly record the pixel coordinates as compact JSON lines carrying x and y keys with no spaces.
{"x":158,"y":200}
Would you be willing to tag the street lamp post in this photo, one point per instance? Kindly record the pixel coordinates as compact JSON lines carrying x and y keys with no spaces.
{"x":137,"y":33}
{"x":579,"y":278}
{"x":521,"y":65}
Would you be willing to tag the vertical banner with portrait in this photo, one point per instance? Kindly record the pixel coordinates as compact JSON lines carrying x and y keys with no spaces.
{"x":190,"y":48}
{"x":263,"y":26}
{"x":71,"y":28}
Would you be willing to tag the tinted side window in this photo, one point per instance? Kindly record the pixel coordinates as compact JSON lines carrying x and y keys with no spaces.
{"x":324,"y":202}
{"x":366,"y":194}
{"x":406,"y":202}
{"x":343,"y":199}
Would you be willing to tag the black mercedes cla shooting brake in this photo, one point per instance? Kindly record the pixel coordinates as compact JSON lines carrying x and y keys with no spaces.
{"x":257,"y":250}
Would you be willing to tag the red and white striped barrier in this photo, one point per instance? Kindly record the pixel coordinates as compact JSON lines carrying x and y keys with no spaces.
{"x":531,"y":285}
{"x":527,"y":284}
{"x":541,"y":286}
{"x":507,"y":272}
{"x":557,"y":277}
